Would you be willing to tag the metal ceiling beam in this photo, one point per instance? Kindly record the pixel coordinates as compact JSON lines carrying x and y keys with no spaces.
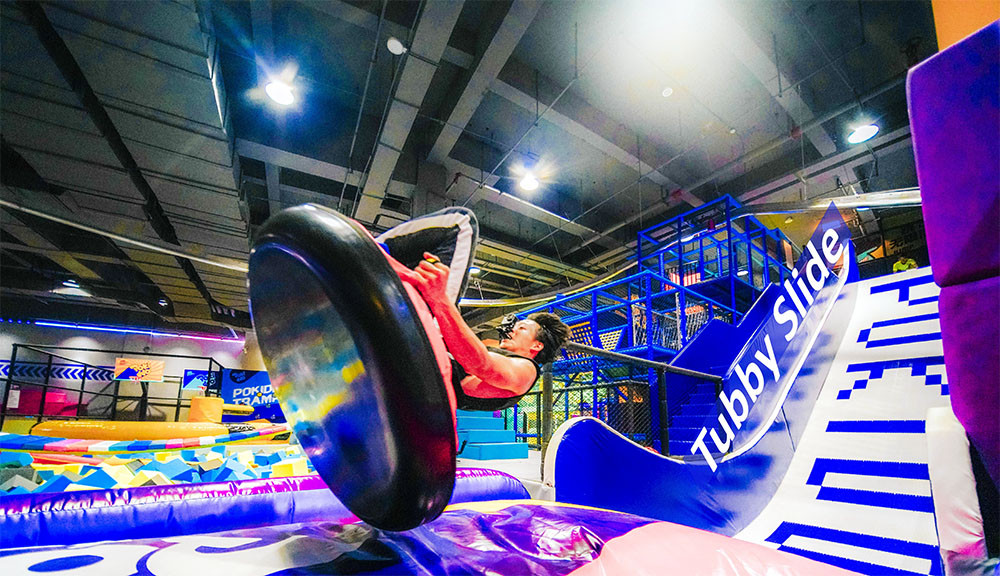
{"x":365,"y":19}
{"x":515,"y":23}
{"x":36,"y":242}
{"x":425,"y":51}
{"x":270,"y":155}
{"x":263,"y":43}
{"x":74,"y":76}
{"x":817,"y":171}
{"x":732,"y":34}
{"x":512,"y":86}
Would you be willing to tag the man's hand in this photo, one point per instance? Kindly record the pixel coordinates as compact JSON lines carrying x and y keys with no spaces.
{"x":430,"y":278}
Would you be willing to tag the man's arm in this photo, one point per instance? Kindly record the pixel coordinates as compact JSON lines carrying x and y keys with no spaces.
{"x":514,"y":374}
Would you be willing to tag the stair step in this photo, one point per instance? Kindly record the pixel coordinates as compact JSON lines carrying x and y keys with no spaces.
{"x":684,"y":434}
{"x":504,"y":451}
{"x":702,"y":399}
{"x":480,"y":423}
{"x":682,"y":448}
{"x":698,"y":410}
{"x":485,"y":436}
{"x":687,"y":421}
{"x":473,"y":414}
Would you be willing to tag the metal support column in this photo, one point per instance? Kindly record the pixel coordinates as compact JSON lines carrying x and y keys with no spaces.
{"x":661,"y":391}
{"x":10,"y":382}
{"x":546,"y":402}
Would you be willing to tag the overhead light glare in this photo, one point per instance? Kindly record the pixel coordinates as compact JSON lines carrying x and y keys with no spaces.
{"x":162,"y":302}
{"x":689,"y":237}
{"x":732,"y":130}
{"x":862,"y":133}
{"x":667,"y":92}
{"x":474,"y":270}
{"x":395,"y":46}
{"x":742,"y":273}
{"x":70,"y":283}
{"x":789,"y":220}
{"x":529,"y":182}
{"x":280,"y":92}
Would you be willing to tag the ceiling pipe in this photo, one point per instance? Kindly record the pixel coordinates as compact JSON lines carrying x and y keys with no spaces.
{"x":160,"y":248}
{"x":361,"y":107}
{"x":902,"y":198}
{"x":756,"y":153}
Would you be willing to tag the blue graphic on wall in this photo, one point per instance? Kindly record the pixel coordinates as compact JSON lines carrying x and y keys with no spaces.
{"x":196,"y":379}
{"x":253,"y":388}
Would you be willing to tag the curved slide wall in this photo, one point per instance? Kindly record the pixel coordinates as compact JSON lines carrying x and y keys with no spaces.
{"x":840,"y":474}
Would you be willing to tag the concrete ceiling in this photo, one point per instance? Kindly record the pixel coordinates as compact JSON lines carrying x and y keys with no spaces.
{"x":149,"y":119}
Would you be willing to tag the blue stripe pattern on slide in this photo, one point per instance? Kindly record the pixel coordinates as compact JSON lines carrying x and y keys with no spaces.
{"x":903,"y":286}
{"x":903,"y":340}
{"x":879,"y":543}
{"x":852,"y":565}
{"x":877,"y":499}
{"x":910,"y":470}
{"x":897,"y":321}
{"x":878,"y":426}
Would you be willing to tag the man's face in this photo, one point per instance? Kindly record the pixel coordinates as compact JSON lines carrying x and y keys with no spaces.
{"x":522,"y":340}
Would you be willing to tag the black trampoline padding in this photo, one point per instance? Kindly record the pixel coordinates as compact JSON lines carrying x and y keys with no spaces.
{"x":352,"y":366}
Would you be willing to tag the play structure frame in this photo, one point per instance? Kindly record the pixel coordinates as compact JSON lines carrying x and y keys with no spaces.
{"x":48,"y":370}
{"x":708,"y":263}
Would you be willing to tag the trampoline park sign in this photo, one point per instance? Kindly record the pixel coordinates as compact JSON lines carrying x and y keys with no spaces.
{"x":252,"y":388}
{"x":780,"y":345}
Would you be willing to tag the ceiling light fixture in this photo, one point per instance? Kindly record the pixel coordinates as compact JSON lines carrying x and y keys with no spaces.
{"x":667,"y":92}
{"x":862,"y":133}
{"x":395,"y":46}
{"x":732,"y":130}
{"x":70,"y":283}
{"x":474,"y":270}
{"x":529,"y":182}
{"x":742,"y":273}
{"x":280,"y":92}
{"x":162,"y":302}
{"x":789,"y":220}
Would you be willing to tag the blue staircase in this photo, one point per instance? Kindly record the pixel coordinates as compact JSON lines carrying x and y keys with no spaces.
{"x":686,"y":423}
{"x":485,"y":438}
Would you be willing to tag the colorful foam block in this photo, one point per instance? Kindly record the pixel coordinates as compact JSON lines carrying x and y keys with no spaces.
{"x":292,"y":467}
{"x":98,"y":479}
{"x":54,"y":484}
{"x":16,"y":482}
{"x":15,"y":459}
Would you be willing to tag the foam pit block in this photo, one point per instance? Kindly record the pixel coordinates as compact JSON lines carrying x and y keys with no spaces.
{"x":15,"y":459}
{"x":16,"y":482}
{"x":98,"y":479}
{"x":54,"y":484}
{"x":291,"y":467}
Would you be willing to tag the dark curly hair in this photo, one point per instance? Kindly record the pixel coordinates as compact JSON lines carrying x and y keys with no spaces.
{"x":552,"y":333}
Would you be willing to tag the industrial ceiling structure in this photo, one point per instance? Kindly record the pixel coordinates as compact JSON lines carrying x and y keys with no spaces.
{"x":155,"y":121}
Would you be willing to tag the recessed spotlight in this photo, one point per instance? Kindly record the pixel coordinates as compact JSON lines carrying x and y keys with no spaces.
{"x":732,"y":130}
{"x":667,"y":92}
{"x":474,"y":270}
{"x":395,"y":46}
{"x":529,"y":182}
{"x":789,"y":220}
{"x":70,"y":283}
{"x":162,"y":302}
{"x":280,"y":92}
{"x":862,"y":133}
